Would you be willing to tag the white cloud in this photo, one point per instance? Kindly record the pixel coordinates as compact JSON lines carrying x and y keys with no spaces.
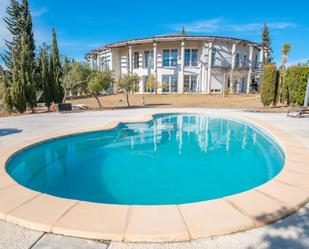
{"x":39,"y":12}
{"x":218,"y":24}
{"x":199,"y":26}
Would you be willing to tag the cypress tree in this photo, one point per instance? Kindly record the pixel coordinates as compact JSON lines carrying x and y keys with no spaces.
{"x":27,"y":72}
{"x":27,"y":56}
{"x":269,"y":84}
{"x":18,"y":91}
{"x":47,"y":94}
{"x":13,"y":22}
{"x":56,"y":70}
{"x":266,"y":42}
{"x":7,"y":97}
{"x":27,"y":27}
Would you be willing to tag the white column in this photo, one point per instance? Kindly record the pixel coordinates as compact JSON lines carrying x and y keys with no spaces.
{"x":261,"y":57}
{"x":98,"y":62}
{"x":233,"y":63}
{"x":233,"y":66}
{"x":182,"y":68}
{"x":155,"y":57}
{"x":141,"y":85}
{"x":208,"y":90}
{"x":155,"y":65}
{"x":202,"y":87}
{"x":250,"y":69}
{"x":130,"y":60}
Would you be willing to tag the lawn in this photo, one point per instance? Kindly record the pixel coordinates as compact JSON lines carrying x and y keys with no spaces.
{"x":118,"y":101}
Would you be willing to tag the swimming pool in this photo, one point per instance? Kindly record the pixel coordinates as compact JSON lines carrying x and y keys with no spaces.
{"x":173,"y":159}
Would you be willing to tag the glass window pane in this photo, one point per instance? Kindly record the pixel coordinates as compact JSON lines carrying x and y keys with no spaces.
{"x":173,"y":83}
{"x":186,"y":83}
{"x":146,"y":59}
{"x":174,"y":57}
{"x":165,"y":83}
{"x":193,"y":86}
{"x":213,"y":58}
{"x":136,"y":60}
{"x":187,"y":57}
{"x":166,"y":58}
{"x":194,"y":57}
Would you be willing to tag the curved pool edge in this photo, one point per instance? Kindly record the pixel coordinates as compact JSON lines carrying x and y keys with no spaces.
{"x":274,"y":200}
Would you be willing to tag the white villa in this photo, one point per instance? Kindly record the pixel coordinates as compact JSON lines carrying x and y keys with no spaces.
{"x":185,"y":63}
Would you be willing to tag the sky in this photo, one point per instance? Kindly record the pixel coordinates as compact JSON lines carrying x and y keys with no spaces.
{"x":84,"y":25}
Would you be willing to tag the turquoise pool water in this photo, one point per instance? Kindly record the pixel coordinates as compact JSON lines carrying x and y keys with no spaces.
{"x":174,"y":159}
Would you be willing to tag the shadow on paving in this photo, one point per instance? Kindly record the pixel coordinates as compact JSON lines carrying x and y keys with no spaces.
{"x":9,"y":131}
{"x":290,"y":233}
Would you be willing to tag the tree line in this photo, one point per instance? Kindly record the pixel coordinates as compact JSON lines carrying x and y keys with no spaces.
{"x":32,"y":74}
{"x":285,"y":85}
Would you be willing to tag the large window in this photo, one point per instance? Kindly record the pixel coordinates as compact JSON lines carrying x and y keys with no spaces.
{"x":191,"y":57}
{"x":148,"y":59}
{"x":170,"y":57}
{"x":136,"y":60}
{"x":104,"y":63}
{"x":190,"y":83}
{"x":169,"y":83}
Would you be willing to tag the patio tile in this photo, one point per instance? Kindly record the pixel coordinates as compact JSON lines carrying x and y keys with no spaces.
{"x":6,"y":181}
{"x":212,"y":218}
{"x":93,"y":221}
{"x":51,"y":241}
{"x":13,"y":197}
{"x":299,"y":180}
{"x":40,"y":213}
{"x":155,"y":224}
{"x":261,"y":208}
{"x":289,"y":195}
{"x":301,"y":167}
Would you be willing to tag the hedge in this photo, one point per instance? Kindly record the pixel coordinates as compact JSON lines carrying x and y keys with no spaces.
{"x":296,"y":82}
{"x":269,"y":85}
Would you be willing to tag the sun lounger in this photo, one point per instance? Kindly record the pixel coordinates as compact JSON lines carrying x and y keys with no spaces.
{"x":298,"y":112}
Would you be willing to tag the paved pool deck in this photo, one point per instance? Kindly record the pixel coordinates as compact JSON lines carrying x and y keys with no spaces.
{"x":291,"y":232}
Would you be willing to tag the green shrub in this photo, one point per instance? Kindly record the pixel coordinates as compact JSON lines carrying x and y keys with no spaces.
{"x":296,"y":83}
{"x":269,"y":85}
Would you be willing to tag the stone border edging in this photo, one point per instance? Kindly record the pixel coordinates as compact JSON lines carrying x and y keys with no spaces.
{"x":274,"y":200}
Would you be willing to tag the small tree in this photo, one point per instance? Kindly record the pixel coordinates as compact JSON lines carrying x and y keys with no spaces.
{"x":75,"y":75}
{"x":269,"y":85}
{"x":99,"y":82}
{"x":128,"y":82}
{"x":152,"y":83}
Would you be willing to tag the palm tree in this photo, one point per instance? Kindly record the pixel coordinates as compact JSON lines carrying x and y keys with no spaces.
{"x":286,"y":49}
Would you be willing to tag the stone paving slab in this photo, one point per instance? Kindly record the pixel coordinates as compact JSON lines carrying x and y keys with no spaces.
{"x":49,"y":241}
{"x":16,"y":237}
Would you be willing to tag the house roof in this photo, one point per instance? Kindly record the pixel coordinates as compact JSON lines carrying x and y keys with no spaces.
{"x":172,"y":37}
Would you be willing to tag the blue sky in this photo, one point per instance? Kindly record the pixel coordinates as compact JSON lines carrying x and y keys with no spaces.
{"x":83,"y":25}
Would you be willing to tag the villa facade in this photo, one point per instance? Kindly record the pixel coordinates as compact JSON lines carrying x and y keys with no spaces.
{"x":185,"y":63}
